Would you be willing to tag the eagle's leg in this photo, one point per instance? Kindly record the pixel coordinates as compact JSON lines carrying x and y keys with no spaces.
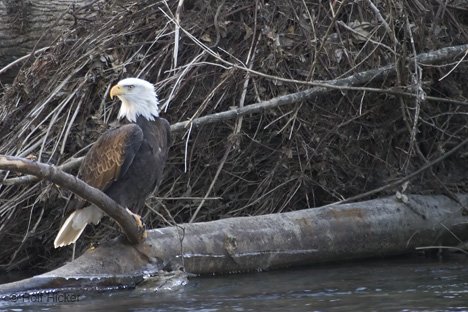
{"x":140,"y":223}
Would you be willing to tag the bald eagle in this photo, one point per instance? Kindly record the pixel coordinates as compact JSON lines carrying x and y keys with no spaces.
{"x":127,"y":162}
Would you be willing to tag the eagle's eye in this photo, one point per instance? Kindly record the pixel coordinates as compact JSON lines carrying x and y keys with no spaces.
{"x":130,"y":87}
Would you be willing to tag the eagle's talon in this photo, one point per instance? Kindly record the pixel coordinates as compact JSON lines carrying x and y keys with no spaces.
{"x":141,"y":226}
{"x":137,"y":218}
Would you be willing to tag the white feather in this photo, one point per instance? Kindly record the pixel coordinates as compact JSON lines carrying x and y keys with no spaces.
{"x":76,"y":223}
{"x":140,"y":98}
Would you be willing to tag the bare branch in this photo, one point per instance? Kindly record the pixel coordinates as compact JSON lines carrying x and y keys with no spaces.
{"x":381,"y":19}
{"x":404,"y":179}
{"x":322,"y":88}
{"x":20,"y":59}
{"x":349,"y":83}
{"x":134,"y":232}
{"x":69,"y":165}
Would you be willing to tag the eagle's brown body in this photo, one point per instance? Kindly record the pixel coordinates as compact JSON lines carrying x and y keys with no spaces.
{"x":132,"y":169}
{"x":144,"y":172}
{"x":126,"y":163}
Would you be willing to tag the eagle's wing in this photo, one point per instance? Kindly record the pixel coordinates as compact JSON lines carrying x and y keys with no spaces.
{"x":111,"y":156}
{"x":108,"y":159}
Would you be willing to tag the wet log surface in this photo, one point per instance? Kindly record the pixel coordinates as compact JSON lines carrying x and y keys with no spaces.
{"x":374,"y":228}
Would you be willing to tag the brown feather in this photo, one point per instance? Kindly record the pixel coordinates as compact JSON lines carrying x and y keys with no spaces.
{"x":103,"y":163}
{"x":108,"y":159}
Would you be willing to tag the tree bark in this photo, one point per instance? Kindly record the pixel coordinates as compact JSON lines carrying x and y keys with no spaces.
{"x":373,"y":228}
{"x":29,"y":24}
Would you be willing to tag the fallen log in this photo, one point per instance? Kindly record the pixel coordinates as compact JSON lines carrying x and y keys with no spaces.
{"x":374,"y":228}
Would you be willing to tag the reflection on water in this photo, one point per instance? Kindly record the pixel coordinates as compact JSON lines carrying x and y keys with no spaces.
{"x":416,"y":284}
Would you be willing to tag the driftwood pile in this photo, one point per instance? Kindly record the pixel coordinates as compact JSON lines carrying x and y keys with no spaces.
{"x":394,"y":115}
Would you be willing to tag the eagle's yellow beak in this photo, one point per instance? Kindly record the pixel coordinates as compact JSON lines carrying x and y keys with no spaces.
{"x":116,"y":90}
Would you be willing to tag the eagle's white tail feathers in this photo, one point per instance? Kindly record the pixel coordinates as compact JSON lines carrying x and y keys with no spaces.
{"x":75,"y":225}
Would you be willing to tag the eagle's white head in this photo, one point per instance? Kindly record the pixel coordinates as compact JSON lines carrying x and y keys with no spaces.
{"x":138,"y":98}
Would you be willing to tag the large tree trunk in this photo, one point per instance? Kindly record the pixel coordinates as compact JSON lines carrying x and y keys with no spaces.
{"x":29,"y":24}
{"x":372,"y":228}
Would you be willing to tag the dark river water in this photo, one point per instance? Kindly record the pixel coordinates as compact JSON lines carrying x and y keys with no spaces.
{"x":397,"y":284}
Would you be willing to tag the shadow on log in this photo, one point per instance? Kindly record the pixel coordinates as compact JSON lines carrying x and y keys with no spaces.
{"x":372,"y":228}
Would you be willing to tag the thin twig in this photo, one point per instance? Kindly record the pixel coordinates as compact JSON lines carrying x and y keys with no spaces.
{"x":220,"y":167}
{"x":186,"y":148}
{"x":379,"y":16}
{"x":443,"y":247}
{"x":21,"y":59}
{"x":177,"y":32}
{"x":402,"y":180}
{"x":417,"y":83}
{"x":454,"y":67}
{"x":216,"y":24}
{"x":366,"y":37}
